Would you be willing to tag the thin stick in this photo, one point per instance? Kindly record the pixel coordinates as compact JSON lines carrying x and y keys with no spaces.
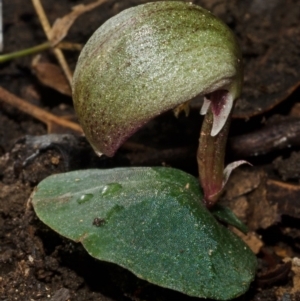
{"x":70,"y":46}
{"x":36,"y":112}
{"x":47,"y":29}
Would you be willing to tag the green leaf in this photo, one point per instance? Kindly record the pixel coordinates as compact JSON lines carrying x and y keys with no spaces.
{"x":149,"y":59}
{"x":152,"y":222}
{"x":224,"y":214}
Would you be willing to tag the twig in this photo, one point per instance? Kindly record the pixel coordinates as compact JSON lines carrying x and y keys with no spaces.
{"x":70,"y":46}
{"x":49,"y":119}
{"x":47,"y":29}
{"x":272,"y":137}
{"x":61,"y":26}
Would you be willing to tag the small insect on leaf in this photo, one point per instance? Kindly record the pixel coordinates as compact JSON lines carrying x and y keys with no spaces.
{"x":98,"y":222}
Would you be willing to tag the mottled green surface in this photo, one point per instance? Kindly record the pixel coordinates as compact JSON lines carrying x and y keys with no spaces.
{"x":225,"y":215}
{"x":146,"y":60}
{"x":152,"y":222}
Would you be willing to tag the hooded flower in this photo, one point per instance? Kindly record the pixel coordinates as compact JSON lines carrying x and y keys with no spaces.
{"x":149,"y":59}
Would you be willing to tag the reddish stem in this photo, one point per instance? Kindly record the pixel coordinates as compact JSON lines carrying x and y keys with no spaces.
{"x":210,"y":158}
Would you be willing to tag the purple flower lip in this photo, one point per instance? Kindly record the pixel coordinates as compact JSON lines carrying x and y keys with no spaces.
{"x":221,"y":103}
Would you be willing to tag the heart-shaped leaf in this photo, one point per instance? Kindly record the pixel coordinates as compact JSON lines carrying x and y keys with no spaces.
{"x":152,"y":222}
{"x":149,"y":59}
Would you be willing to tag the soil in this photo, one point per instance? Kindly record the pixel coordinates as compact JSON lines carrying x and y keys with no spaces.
{"x":38,"y":264}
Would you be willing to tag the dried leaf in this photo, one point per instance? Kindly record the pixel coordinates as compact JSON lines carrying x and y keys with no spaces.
{"x":259,"y":201}
{"x":51,"y":76}
{"x":62,"y":25}
{"x":285,"y":197}
{"x":246,"y":196}
{"x":288,"y":168}
{"x":252,"y":240}
{"x":242,"y":182}
{"x":262,"y":214}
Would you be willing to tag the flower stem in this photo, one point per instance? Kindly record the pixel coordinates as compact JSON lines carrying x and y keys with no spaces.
{"x":210,"y":158}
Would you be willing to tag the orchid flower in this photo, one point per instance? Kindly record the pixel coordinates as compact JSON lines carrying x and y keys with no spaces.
{"x":153,"y":58}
